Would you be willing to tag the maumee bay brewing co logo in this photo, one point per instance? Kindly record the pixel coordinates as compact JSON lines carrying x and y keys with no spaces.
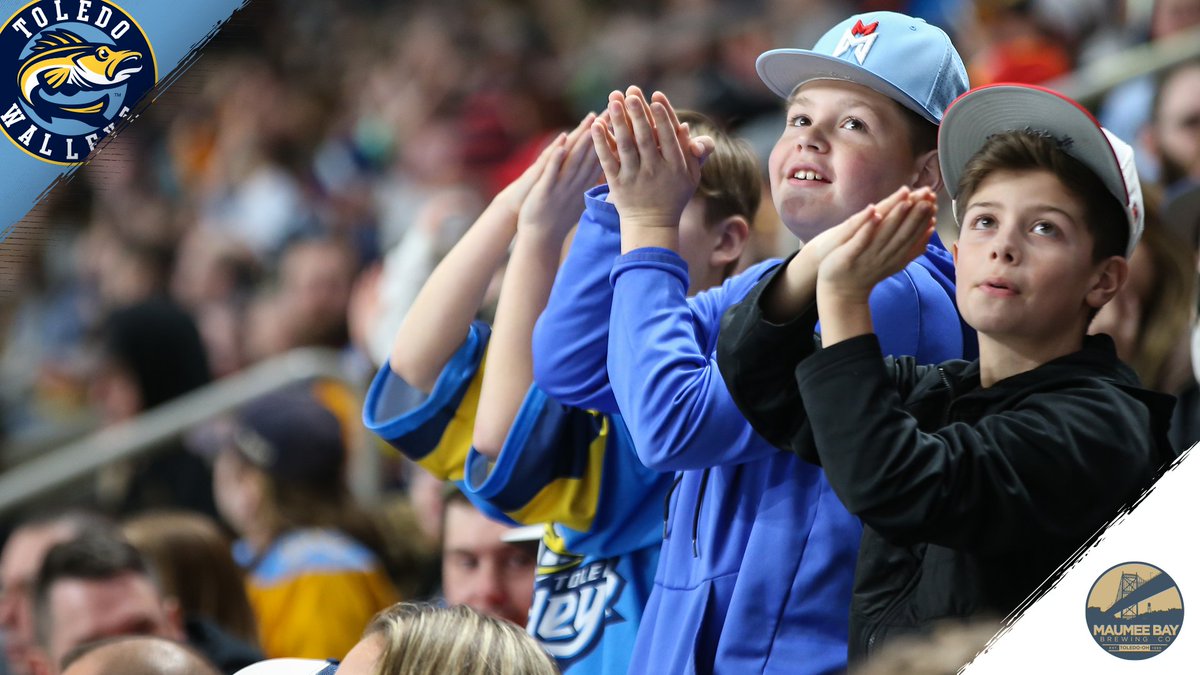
{"x":1134,"y":611}
{"x":74,"y":69}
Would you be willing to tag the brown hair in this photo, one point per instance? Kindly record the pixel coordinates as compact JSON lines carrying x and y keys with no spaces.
{"x":191,"y":559}
{"x":1166,"y":306}
{"x":730,"y":180}
{"x":423,"y":638}
{"x":1027,"y":150}
{"x":293,"y":506}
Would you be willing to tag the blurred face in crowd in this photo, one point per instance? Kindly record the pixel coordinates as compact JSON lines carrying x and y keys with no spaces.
{"x":19,"y":567}
{"x":1176,"y":129}
{"x":1174,"y":16}
{"x":238,"y":490}
{"x":114,"y":392}
{"x":315,"y":281}
{"x":85,"y":610}
{"x":481,"y":571}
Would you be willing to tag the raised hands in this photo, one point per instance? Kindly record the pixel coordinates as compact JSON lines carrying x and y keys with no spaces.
{"x":651,"y":163}
{"x":554,"y":200}
{"x":867,"y":248}
{"x":876,"y":242}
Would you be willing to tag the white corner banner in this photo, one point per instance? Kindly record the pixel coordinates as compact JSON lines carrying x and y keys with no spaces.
{"x":1120,"y":606}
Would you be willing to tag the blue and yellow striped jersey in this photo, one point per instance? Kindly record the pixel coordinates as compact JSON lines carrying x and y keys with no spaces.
{"x":571,"y":469}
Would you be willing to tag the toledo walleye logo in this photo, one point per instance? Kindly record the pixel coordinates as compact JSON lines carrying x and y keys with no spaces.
{"x":76,"y":68}
{"x":1134,"y":611}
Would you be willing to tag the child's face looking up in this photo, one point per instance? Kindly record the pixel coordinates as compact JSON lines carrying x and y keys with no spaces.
{"x":1024,"y":258}
{"x":856,"y":142}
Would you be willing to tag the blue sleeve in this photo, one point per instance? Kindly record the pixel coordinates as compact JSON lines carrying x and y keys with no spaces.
{"x":570,"y":340}
{"x":577,"y":469}
{"x":914,"y":316}
{"x":416,"y":424}
{"x":662,"y":363}
{"x":435,"y":431}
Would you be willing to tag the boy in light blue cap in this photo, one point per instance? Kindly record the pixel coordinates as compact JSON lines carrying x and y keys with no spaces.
{"x":757,"y":563}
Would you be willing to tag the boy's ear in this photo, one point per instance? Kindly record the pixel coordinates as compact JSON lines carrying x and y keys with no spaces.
{"x":1110,"y":277}
{"x":732,"y":234}
{"x":927,"y":171}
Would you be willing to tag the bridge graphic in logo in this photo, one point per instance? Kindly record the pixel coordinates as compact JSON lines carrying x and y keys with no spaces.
{"x":74,"y":70}
{"x":1134,"y":611}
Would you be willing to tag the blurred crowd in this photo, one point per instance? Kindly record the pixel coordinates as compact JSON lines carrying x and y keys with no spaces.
{"x":299,"y":183}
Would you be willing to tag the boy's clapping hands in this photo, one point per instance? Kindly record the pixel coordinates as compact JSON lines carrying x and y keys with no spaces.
{"x":651,"y":163}
{"x":865,"y":249}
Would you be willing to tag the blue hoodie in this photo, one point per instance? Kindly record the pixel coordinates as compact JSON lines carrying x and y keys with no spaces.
{"x":756,"y":568}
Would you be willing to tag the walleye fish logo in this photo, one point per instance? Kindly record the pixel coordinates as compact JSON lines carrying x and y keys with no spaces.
{"x":78,"y":68}
{"x":63,"y":63}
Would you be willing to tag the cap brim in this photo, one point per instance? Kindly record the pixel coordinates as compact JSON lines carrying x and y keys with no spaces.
{"x":994,"y":109}
{"x":984,"y":112}
{"x":782,"y":70}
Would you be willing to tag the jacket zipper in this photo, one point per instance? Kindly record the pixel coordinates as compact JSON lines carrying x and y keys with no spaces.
{"x":896,"y":604}
{"x":891,"y":609}
{"x":949,"y":397}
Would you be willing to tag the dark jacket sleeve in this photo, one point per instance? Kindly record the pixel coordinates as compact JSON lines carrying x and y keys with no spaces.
{"x":757,"y":360}
{"x":1054,"y":466}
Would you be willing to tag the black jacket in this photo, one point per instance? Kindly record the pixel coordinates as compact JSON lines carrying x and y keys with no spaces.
{"x":970,"y":497}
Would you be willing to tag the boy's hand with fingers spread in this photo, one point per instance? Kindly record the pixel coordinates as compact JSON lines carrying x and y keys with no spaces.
{"x":879,"y":245}
{"x":554,"y":201}
{"x":652,"y":166}
{"x":553,"y":206}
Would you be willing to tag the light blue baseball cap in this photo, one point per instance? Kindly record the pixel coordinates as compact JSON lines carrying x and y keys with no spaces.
{"x":903,"y":58}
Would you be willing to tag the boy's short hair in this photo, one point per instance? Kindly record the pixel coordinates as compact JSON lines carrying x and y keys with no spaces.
{"x":922,"y":134}
{"x":730,"y":180}
{"x":91,"y":556}
{"x":1028,"y":150}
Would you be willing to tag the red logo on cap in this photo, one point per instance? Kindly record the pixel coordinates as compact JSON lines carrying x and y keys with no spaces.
{"x":860,"y":29}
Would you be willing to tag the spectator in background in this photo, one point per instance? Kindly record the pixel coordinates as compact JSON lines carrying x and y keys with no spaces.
{"x":315,"y":277}
{"x":482,"y":567}
{"x":139,"y":655}
{"x":94,"y":587}
{"x":1149,"y":319}
{"x":406,"y":638}
{"x":1128,"y":108}
{"x":313,"y":578}
{"x":191,"y":560}
{"x":1173,"y":135}
{"x":19,"y":564}
{"x":150,"y":353}
{"x":1020,"y":45}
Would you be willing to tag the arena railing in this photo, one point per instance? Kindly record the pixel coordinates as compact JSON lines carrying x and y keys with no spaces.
{"x":79,"y":460}
{"x":1092,"y":81}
